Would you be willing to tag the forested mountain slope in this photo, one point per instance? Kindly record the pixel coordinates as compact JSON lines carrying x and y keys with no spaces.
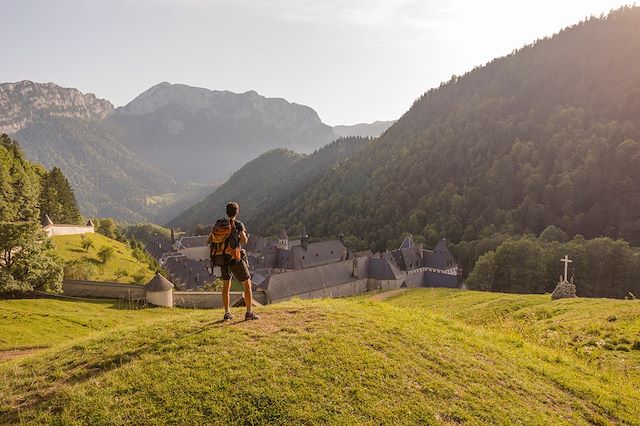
{"x":108,"y":178}
{"x":263,"y":185}
{"x":160,"y":153}
{"x":547,"y":135}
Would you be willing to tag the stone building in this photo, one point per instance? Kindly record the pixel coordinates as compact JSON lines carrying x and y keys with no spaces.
{"x":193,"y":247}
{"x":286,"y":268}
{"x":408,"y":266}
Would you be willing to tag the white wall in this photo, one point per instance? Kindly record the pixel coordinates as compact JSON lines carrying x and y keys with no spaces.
{"x":52,"y":230}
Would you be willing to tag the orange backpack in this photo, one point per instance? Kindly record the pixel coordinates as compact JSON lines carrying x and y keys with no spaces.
{"x":225,"y":239}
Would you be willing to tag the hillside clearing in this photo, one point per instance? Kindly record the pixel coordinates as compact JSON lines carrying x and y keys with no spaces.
{"x":69,"y":247}
{"x":323,"y":361}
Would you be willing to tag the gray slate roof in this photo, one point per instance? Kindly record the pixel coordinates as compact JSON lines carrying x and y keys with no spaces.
{"x":194,"y":241}
{"x":291,"y":283}
{"x":159,"y":283}
{"x":384,"y":268}
{"x":440,"y":257}
{"x":316,"y":254}
{"x":408,"y":258}
{"x":46,"y":220}
{"x":407,"y":243}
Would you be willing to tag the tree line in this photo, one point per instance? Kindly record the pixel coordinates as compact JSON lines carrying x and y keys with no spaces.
{"x":27,"y":192}
{"x":602,"y":267}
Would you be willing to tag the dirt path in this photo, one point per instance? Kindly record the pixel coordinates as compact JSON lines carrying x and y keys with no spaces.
{"x":14,"y":353}
{"x":382,"y":296}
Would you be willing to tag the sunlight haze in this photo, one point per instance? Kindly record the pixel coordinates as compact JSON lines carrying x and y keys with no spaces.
{"x":351,"y":60}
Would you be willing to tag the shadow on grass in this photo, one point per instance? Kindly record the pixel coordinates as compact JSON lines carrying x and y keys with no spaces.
{"x":130,"y":305}
{"x":77,"y":250}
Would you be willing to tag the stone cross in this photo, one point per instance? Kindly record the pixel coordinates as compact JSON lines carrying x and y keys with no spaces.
{"x":566,"y":265}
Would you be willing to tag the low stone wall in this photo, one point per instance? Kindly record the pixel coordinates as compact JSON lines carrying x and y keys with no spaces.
{"x":103,"y":290}
{"x":182,"y":299}
{"x":55,"y":230}
{"x":210,"y":299}
{"x":351,"y":288}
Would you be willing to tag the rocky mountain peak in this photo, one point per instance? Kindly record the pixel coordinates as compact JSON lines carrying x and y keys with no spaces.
{"x":217,"y":104}
{"x":24,"y":102}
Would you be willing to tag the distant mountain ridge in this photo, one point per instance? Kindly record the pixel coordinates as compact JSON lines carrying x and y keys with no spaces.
{"x":25,"y":102}
{"x":266,"y":183}
{"x":365,"y":130}
{"x":138,"y":162}
{"x":204,"y":136}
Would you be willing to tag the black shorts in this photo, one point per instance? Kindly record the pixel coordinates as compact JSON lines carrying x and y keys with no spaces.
{"x":238,"y":268}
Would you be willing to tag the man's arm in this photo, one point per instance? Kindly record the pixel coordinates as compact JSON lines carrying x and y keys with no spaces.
{"x":242,"y":233}
{"x":244,"y":237}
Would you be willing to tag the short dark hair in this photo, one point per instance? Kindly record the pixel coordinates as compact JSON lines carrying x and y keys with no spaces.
{"x":232,"y":209}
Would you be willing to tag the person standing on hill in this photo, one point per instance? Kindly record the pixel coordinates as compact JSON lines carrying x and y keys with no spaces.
{"x":226,"y":239}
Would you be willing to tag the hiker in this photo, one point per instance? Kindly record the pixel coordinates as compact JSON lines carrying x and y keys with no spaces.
{"x":225,"y":240}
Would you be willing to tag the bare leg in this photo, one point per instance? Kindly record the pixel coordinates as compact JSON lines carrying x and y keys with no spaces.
{"x":247,"y":294}
{"x":226,"y":289}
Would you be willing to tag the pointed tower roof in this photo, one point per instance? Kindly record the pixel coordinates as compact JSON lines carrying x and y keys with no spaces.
{"x":407,"y":243}
{"x":159,"y":283}
{"x":90,"y":223}
{"x":441,"y":246}
{"x":283,"y":235}
{"x":46,"y":221}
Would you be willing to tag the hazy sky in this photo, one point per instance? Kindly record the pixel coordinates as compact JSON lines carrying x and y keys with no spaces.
{"x":351,"y":60}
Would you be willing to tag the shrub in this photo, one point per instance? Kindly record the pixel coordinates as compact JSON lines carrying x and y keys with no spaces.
{"x":79,"y":269}
{"x":86,"y":243}
{"x":105,"y":254}
{"x":138,"y":278}
{"x":121,"y":273}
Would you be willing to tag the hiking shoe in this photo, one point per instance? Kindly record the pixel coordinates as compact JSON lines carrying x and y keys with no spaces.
{"x":227,"y":316}
{"x":250,"y":316}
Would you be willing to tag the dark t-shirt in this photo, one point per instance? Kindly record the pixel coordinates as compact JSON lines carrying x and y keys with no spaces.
{"x":240,"y":227}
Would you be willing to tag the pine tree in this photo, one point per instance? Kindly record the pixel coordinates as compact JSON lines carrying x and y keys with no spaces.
{"x":19,"y":183}
{"x":57,"y":199}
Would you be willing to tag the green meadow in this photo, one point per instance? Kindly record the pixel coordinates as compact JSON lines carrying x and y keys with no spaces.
{"x":423,"y":357}
{"x":69,"y":248}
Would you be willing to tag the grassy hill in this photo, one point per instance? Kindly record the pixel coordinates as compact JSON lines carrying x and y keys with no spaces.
{"x":42,"y":323}
{"x":69,"y":248}
{"x":427,"y":356}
